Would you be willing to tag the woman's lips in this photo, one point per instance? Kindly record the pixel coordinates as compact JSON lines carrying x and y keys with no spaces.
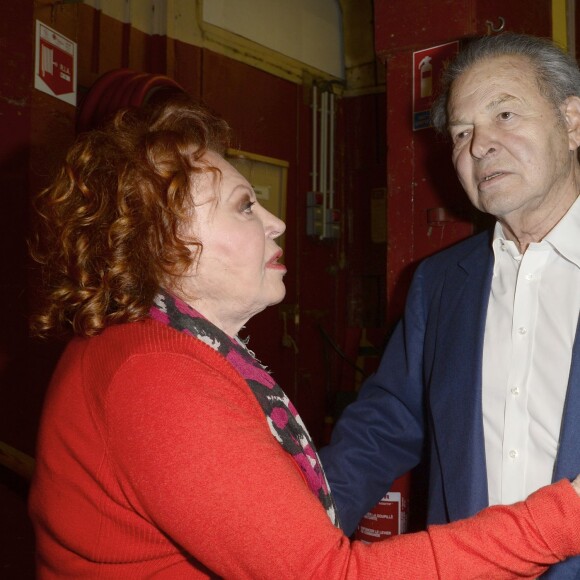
{"x":273,"y":262}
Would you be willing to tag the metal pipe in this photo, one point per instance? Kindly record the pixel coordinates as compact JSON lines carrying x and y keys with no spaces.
{"x":314,"y":136}
{"x":331,"y":155}
{"x":324,"y":157}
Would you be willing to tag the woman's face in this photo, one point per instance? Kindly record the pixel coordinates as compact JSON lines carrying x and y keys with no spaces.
{"x":238,"y":273}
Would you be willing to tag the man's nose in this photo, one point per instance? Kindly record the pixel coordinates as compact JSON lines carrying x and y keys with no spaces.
{"x":483,"y":142}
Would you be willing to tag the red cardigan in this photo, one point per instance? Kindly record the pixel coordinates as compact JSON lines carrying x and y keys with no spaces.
{"x":155,"y":459}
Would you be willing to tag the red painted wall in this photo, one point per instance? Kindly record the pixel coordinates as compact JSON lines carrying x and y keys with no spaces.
{"x":420,"y":177}
{"x":419,"y":172}
{"x":16,"y":30}
{"x":338,"y":286}
{"x":327,"y":281}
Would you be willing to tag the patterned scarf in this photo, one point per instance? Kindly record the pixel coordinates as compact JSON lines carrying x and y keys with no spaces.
{"x":283,"y":420}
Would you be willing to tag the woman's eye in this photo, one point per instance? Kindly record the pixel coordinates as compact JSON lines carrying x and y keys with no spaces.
{"x":506,"y":115}
{"x":247,"y":206}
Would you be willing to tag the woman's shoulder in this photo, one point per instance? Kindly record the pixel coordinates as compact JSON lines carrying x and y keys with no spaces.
{"x":147,"y":337}
{"x":142,"y":349}
{"x":148,"y":358}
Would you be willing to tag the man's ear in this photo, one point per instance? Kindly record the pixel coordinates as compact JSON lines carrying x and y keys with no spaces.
{"x":571,"y":112}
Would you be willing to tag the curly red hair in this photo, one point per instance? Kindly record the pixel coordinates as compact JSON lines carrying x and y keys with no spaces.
{"x":107,"y":231}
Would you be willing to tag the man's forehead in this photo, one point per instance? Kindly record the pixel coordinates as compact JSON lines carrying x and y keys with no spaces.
{"x":495,"y":80}
{"x":514,"y":66}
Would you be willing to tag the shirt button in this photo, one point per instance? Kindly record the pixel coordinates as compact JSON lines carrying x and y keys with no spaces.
{"x":522,"y":330}
{"x":529,"y":276}
{"x":513,"y":454}
{"x":515,"y":391}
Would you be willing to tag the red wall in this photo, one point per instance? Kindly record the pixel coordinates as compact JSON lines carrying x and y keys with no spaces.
{"x":420,"y":176}
{"x":419,"y":171}
{"x":338,"y":286}
{"x":15,"y":112}
{"x":270,"y":116}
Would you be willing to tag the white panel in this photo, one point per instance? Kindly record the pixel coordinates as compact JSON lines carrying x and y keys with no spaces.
{"x":309,"y":31}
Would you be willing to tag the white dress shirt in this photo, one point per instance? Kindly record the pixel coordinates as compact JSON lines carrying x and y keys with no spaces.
{"x":530,"y":328}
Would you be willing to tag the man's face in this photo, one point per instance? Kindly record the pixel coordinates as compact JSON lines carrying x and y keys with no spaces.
{"x":511,"y":148}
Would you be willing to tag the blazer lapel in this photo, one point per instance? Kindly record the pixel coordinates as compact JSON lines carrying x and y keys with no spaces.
{"x":455,"y":383}
{"x":568,"y":458}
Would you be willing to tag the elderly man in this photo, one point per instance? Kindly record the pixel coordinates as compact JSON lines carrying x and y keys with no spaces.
{"x":483,"y":370}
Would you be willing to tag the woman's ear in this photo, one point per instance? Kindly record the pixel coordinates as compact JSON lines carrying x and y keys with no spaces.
{"x":571,"y":112}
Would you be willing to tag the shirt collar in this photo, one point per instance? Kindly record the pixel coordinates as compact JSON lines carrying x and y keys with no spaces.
{"x":501,"y":243}
{"x":564,"y":237}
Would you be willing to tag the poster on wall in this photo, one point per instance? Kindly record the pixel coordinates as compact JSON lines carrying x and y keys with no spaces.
{"x":55,"y":64}
{"x":428,"y":64}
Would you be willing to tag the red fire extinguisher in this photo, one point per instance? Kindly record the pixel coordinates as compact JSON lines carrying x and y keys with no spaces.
{"x":390,"y":516}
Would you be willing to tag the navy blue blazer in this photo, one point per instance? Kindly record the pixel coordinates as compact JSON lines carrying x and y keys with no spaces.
{"x":426,"y":394}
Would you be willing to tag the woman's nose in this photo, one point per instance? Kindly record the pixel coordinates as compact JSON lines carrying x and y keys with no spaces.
{"x":274,"y":226}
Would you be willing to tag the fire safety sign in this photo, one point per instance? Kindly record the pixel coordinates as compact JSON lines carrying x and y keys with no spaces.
{"x":428,"y":65}
{"x":55,"y":64}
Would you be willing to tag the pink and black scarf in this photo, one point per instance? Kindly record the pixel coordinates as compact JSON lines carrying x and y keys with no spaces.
{"x":282,"y":418}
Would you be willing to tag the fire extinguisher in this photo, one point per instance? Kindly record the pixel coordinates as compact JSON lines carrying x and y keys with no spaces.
{"x":426,"y":72}
{"x":390,"y":516}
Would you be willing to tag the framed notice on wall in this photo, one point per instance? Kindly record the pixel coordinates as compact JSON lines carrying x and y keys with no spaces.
{"x":55,"y":64}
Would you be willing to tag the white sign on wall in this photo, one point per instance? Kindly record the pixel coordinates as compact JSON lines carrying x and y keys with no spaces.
{"x":55,"y":64}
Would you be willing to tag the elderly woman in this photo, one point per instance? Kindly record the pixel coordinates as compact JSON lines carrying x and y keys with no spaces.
{"x":165,"y":449}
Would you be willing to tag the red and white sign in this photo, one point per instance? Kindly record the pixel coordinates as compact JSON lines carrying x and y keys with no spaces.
{"x":428,"y":65}
{"x":55,"y":64}
{"x":389,"y":516}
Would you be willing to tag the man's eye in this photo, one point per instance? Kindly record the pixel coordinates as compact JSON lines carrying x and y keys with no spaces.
{"x":506,"y":115}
